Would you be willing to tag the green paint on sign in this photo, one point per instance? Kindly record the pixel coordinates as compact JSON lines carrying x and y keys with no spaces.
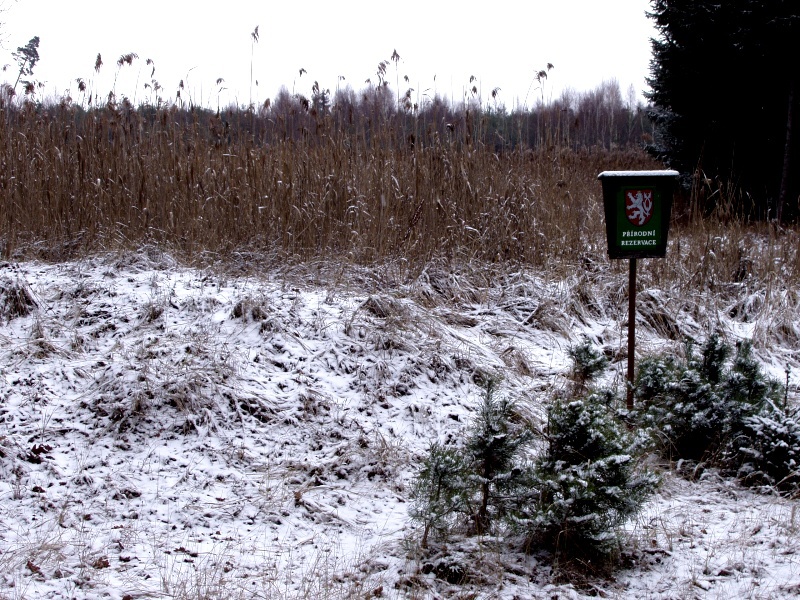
{"x":637,"y":206}
{"x":639,"y":218}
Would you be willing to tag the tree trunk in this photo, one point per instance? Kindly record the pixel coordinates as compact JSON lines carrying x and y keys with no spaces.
{"x":787,"y":152}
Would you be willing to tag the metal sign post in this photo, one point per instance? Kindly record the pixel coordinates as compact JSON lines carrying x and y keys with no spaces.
{"x":637,"y":209}
{"x":631,"y":332}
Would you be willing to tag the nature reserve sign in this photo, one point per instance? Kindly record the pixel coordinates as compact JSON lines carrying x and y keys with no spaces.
{"x":637,"y":209}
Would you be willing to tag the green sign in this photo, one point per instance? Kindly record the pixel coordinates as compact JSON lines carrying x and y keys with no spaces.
{"x":637,"y":208}
{"x":638,"y":217}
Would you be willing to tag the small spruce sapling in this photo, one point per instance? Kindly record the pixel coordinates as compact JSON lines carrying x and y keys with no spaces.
{"x":441,"y":491}
{"x":588,"y":481}
{"x":765,"y":446}
{"x":587,"y":364}
{"x":711,"y":364}
{"x":493,"y":449}
{"x":684,"y":410}
{"x":478,"y":482}
{"x":767,"y":452}
{"x":697,"y":405}
{"x":746,"y":385}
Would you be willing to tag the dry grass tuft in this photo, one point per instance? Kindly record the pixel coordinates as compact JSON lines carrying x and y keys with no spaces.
{"x":16,"y":300}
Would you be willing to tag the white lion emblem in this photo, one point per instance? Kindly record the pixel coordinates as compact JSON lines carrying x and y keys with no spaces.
{"x":639,"y":207}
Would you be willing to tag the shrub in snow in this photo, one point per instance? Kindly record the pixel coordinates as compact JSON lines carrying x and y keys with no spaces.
{"x":746,"y":385}
{"x":571,"y":500}
{"x":767,"y":450}
{"x":476,"y":483}
{"x":587,"y":363}
{"x":494,"y":453}
{"x":696,"y":405}
{"x":441,"y":491}
{"x":587,"y":482}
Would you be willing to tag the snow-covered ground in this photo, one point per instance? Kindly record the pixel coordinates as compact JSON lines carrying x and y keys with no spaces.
{"x":168,"y":432}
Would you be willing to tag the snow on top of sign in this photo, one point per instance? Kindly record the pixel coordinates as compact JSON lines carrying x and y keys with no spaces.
{"x":660,"y":173}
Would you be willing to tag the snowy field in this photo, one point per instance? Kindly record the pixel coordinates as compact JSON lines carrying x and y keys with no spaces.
{"x":176,"y":433}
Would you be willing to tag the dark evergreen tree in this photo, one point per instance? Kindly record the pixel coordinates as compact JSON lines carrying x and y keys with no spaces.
{"x":587,"y":363}
{"x":723,"y":96}
{"x":441,"y":492}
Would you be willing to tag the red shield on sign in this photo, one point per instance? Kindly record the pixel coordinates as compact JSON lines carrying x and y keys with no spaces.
{"x":639,"y":206}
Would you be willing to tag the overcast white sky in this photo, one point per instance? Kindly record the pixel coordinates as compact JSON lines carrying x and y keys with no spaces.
{"x":441,"y":44}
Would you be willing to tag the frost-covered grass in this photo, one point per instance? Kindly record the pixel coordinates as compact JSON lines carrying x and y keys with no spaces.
{"x":177,"y":432}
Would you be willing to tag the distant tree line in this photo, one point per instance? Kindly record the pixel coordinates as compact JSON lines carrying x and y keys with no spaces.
{"x":600,"y":118}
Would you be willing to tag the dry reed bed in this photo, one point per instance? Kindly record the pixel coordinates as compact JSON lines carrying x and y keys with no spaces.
{"x":75,"y":181}
{"x":116,"y":176}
